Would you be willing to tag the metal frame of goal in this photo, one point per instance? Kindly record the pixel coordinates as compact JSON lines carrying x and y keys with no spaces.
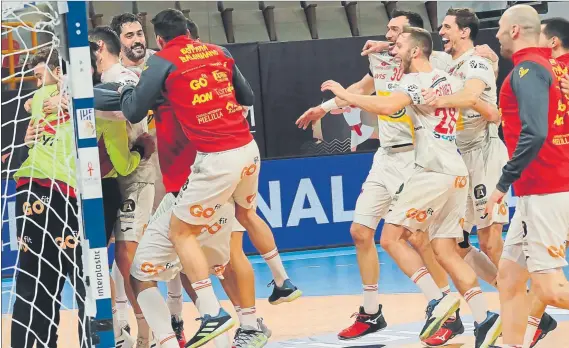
{"x":74,"y":49}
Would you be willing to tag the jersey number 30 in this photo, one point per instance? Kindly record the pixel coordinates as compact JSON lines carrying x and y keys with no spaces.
{"x":448,"y":120}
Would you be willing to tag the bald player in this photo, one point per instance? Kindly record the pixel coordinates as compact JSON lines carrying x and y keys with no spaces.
{"x":539,"y":171}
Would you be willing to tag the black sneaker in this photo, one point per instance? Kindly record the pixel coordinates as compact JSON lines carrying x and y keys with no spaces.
{"x":450,"y":329}
{"x":546,"y":325}
{"x":365,"y":324}
{"x":438,"y":311}
{"x":286,"y":293}
{"x":210,"y":328}
{"x":488,"y":331}
{"x":178,"y":327}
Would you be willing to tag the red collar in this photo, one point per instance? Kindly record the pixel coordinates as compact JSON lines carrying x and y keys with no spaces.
{"x":523,"y":53}
{"x":182,"y":39}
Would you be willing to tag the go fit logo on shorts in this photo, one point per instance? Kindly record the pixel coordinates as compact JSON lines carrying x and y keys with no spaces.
{"x":419,"y":215}
{"x":460,"y":182}
{"x":199,"y":211}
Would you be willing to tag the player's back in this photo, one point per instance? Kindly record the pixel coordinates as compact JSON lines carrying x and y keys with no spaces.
{"x":473,"y":129}
{"x":199,"y":87}
{"x":435,"y":129}
{"x":396,"y":129}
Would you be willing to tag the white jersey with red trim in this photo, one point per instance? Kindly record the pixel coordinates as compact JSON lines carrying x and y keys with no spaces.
{"x":435,"y":129}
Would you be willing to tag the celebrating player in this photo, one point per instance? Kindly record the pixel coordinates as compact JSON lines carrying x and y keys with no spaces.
{"x":393,"y":164}
{"x":438,"y":210}
{"x":531,"y":104}
{"x":50,"y":247}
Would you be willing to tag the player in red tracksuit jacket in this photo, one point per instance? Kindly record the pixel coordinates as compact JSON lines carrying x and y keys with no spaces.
{"x":196,"y":79}
{"x":537,"y":137}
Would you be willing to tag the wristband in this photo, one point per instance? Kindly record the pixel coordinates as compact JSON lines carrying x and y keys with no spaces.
{"x":139,"y":149}
{"x":330,"y":105}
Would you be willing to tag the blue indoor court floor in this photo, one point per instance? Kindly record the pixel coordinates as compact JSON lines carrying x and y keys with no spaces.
{"x":331,"y":285}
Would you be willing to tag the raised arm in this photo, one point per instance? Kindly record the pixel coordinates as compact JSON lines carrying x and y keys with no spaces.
{"x":136,"y":101}
{"x":243,"y":91}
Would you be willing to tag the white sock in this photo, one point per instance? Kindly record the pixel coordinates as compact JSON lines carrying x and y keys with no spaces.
{"x":249,"y":317}
{"x":482,"y":266}
{"x":371,"y":301}
{"x":142,"y":324}
{"x":477,"y":303}
{"x":446,"y":290}
{"x":531,"y":328}
{"x":273,"y":260}
{"x":120,"y":295}
{"x":426,"y":283}
{"x":238,"y":310}
{"x":152,"y":303}
{"x":208,"y":303}
{"x":116,"y":325}
{"x":175,"y":301}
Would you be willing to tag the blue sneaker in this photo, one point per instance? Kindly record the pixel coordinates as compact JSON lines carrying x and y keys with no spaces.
{"x":438,"y":311}
{"x":210,"y":328}
{"x":286,"y":293}
{"x":488,"y":331}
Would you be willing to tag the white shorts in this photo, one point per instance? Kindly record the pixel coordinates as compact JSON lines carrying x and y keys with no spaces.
{"x":388,"y":172}
{"x":538,"y":232}
{"x":432,"y":202}
{"x":218,"y":178}
{"x":135,"y":212}
{"x":485,"y":168}
{"x":156,"y":258}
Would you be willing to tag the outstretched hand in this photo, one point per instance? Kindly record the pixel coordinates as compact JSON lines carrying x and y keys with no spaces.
{"x":335,"y":88}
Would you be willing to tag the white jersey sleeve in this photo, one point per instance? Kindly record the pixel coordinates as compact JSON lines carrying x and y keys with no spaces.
{"x":480,"y":69}
{"x":441,"y":60}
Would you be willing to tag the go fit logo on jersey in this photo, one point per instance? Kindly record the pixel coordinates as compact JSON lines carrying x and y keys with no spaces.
{"x":199,"y":211}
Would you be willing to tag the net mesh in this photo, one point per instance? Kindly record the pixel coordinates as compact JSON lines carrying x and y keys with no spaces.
{"x":42,"y":262}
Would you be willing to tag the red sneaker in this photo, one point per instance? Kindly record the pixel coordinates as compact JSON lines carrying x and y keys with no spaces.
{"x":451,"y":328}
{"x":365,"y":324}
{"x":546,"y":325}
{"x":178,"y":327}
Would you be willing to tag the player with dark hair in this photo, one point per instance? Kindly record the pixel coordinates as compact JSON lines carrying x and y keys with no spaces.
{"x":432,"y":200}
{"x":48,"y":227}
{"x":137,"y":188}
{"x":555,"y":35}
{"x":414,"y":19}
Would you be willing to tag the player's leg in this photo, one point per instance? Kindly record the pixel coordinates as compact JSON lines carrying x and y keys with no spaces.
{"x":444,"y":236}
{"x":539,"y":323}
{"x":134,"y":216}
{"x":175,"y":305}
{"x":195,"y":211}
{"x":245,"y":197}
{"x":547,"y":220}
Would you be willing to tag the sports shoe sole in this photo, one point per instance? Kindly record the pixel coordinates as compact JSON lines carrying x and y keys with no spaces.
{"x":496,"y":330}
{"x":296,"y":294}
{"x":360,"y":336}
{"x":452,"y":303}
{"x":223,"y":328}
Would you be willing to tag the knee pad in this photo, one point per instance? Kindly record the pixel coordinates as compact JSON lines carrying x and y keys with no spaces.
{"x":465,"y":244}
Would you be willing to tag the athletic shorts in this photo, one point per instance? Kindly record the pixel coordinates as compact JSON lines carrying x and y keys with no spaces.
{"x":388,"y":172}
{"x":485,"y":168}
{"x":432,"y":202}
{"x":156,"y":258}
{"x":134,"y":212}
{"x":538,"y":232}
{"x":216,"y":179}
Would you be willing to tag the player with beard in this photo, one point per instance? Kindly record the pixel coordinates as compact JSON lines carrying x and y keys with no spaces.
{"x":433,"y":198}
{"x":392,"y":164}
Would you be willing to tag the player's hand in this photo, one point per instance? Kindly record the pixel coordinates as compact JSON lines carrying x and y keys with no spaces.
{"x":147,"y":142}
{"x":335,"y":88}
{"x":32,"y":133}
{"x":485,"y":51}
{"x":565,"y":84}
{"x":28,"y":105}
{"x":51,"y":105}
{"x":431,"y":98}
{"x":310,"y":116}
{"x":495,"y":198}
{"x":372,"y":46}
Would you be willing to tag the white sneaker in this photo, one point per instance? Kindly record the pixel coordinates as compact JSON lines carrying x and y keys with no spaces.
{"x":125,"y":340}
